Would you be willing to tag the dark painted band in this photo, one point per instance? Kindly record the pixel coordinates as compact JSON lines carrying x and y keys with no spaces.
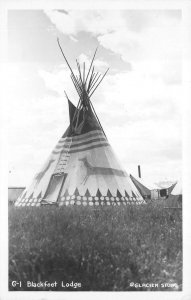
{"x":81,"y":150}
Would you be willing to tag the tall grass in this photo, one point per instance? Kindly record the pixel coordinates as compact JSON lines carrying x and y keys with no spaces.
{"x":103,"y":249}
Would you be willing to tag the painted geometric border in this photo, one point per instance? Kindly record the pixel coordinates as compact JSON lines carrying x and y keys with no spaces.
{"x":86,"y":200}
{"x":82,"y":200}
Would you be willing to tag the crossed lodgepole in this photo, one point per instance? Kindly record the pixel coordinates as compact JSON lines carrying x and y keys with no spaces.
{"x":85,"y":85}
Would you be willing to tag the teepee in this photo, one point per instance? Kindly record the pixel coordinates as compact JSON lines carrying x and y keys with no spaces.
{"x":82,"y":168}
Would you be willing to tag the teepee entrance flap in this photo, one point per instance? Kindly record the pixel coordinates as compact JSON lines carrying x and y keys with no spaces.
{"x":54,"y":188}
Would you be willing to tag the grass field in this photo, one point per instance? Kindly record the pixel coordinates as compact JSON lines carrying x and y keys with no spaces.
{"x":103,"y":250}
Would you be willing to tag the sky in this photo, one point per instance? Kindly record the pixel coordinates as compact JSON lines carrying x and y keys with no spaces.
{"x":139,"y":102}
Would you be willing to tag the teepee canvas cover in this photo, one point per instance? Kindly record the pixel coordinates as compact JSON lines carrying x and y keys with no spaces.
{"x":82,"y":168}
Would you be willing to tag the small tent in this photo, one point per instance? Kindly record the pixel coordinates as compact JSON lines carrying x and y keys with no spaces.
{"x":161,"y":191}
{"x":82,"y":168}
{"x":153,"y":191}
{"x":144,"y":191}
{"x":175,"y":198}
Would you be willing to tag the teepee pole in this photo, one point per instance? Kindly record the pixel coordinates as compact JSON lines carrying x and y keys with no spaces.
{"x":94,"y":75}
{"x":91,"y":78}
{"x":80,"y":84}
{"x":99,"y":82}
{"x":64,"y":56}
{"x":91,"y":64}
{"x":77,"y":83}
{"x":65,"y":59}
{"x":79,"y":70}
{"x":97,"y":117}
{"x":78,"y":106}
{"x":95,"y":81}
{"x":66,"y":95}
{"x":76,"y":86}
{"x":84,"y":71}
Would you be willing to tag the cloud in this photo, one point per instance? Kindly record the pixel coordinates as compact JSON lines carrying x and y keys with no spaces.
{"x":142,"y":37}
{"x":98,"y":63}
{"x":95,"y":22}
{"x":59,"y":81}
{"x":73,"y":39}
{"x":141,"y":97}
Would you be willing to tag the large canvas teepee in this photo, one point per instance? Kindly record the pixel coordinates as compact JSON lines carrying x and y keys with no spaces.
{"x":82,"y":168}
